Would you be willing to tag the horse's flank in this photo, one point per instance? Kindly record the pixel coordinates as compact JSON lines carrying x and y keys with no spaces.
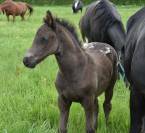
{"x":10,"y":7}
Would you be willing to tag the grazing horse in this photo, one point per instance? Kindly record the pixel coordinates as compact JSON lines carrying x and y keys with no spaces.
{"x":102,"y":23}
{"x":84,"y":73}
{"x":77,"y":5}
{"x":10,"y":7}
{"x":135,"y":69}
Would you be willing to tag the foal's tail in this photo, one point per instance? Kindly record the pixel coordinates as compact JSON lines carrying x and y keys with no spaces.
{"x":30,"y":8}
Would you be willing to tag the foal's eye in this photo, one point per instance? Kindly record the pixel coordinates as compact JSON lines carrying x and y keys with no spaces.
{"x":44,"y":40}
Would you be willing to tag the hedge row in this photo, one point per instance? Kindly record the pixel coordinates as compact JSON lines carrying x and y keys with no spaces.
{"x":65,"y":2}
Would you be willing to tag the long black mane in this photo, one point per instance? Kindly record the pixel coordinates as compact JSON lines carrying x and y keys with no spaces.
{"x":107,"y":14}
{"x":70,"y":27}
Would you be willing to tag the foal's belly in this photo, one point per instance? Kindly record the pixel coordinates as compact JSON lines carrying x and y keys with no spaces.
{"x":72,"y":95}
{"x":78,"y":93}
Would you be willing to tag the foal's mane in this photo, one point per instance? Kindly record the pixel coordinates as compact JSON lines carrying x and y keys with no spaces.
{"x":70,"y":27}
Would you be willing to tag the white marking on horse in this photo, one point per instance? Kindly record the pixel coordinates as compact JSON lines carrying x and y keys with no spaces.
{"x":106,"y":51}
{"x":89,"y":45}
{"x":76,"y":4}
{"x":85,"y":45}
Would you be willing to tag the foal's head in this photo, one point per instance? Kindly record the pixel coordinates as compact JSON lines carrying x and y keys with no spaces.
{"x":45,"y":43}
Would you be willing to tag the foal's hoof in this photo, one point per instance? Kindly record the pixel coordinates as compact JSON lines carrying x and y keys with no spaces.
{"x":91,"y":131}
{"x":62,"y":131}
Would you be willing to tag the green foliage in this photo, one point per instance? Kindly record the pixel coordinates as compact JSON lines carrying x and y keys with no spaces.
{"x":66,"y":2}
{"x":28,"y":98}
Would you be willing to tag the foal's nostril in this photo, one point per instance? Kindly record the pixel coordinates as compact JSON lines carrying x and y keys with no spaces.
{"x":26,"y":61}
{"x":29,"y":62}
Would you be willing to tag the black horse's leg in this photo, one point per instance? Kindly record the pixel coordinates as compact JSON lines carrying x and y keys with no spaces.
{"x":108,"y":96}
{"x":137,"y":111}
{"x":143,"y":125}
{"x":88,"y":104}
{"x":96,"y":111}
{"x":64,"y":107}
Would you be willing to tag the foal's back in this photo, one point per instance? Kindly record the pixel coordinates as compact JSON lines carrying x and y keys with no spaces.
{"x":104,"y":59}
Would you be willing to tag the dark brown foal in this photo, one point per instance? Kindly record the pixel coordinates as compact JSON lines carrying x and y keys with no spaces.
{"x":84,"y":73}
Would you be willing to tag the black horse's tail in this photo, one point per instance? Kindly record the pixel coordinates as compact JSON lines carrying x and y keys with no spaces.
{"x":30,"y":8}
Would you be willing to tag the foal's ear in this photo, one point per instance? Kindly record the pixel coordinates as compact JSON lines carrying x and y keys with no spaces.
{"x":49,"y":20}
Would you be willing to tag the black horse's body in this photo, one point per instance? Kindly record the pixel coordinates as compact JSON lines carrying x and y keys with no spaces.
{"x":102,"y":23}
{"x":135,"y":69}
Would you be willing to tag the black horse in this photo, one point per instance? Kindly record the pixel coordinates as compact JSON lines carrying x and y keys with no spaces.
{"x":102,"y":23}
{"x":135,"y":69}
{"x":77,"y":5}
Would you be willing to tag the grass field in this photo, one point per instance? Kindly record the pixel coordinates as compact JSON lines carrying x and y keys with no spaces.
{"x":28,"y":98}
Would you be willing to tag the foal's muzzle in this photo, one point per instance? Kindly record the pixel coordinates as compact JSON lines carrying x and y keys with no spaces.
{"x":29,"y":62}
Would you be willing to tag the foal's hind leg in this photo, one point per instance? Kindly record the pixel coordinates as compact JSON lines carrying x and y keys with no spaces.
{"x":96,"y":111}
{"x":107,"y":103}
{"x":108,"y":97}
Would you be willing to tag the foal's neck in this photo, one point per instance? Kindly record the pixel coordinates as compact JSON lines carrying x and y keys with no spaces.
{"x":72,"y":58}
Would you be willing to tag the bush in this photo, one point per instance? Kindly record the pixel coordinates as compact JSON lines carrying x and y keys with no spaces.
{"x":65,"y":2}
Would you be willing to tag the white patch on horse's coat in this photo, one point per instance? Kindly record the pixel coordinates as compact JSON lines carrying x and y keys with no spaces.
{"x":92,"y":46}
{"x":106,"y":51}
{"x":85,"y":45}
{"x":76,"y":4}
{"x":89,"y":45}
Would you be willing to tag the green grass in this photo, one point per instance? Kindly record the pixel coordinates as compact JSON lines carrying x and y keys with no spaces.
{"x":28,"y":98}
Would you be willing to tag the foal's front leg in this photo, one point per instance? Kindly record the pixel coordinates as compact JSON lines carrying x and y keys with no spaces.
{"x":89,"y":107}
{"x":64,"y":107}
